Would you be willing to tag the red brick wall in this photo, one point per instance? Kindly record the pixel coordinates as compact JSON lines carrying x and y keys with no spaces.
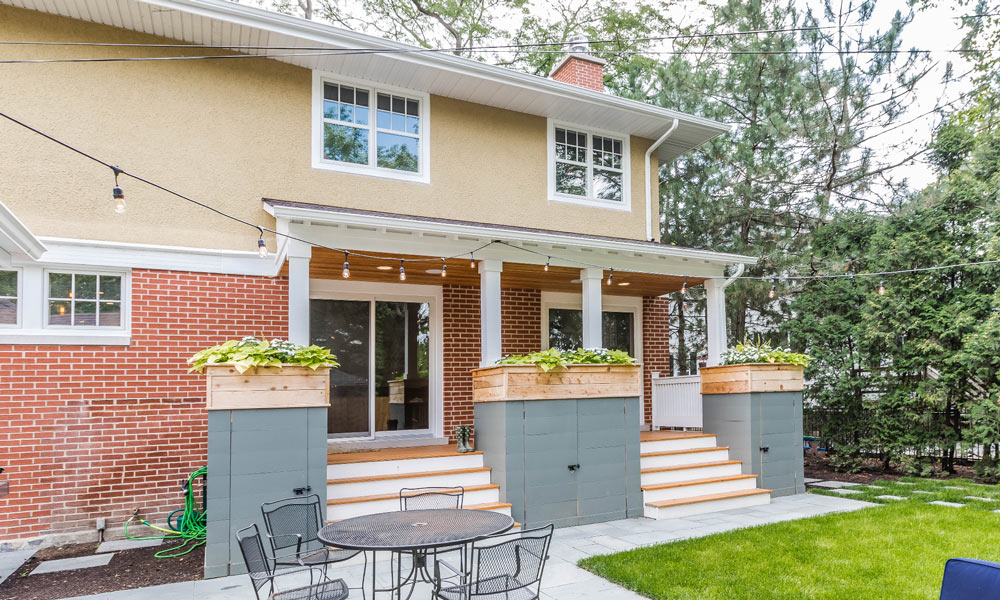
{"x":582,"y":73}
{"x":521,"y":321}
{"x":655,"y":347}
{"x":94,"y":431}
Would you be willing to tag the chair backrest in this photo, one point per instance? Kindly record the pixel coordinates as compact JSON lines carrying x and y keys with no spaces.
{"x":510,"y":561}
{"x":970,"y":579}
{"x":290,"y":517}
{"x":431,"y":497}
{"x":253,"y":556}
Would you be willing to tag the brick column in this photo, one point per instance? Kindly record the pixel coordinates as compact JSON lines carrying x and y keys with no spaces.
{"x":655,"y":347}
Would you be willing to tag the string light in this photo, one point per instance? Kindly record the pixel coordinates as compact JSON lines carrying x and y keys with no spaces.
{"x":117,"y":193}
{"x":402,"y":271}
{"x":611,"y":275}
{"x":547,"y":259}
{"x":472,"y":260}
{"x":347,"y":267}
{"x":444,"y":268}
{"x":773,"y":291}
{"x":684,"y":286}
{"x":881,"y":288}
{"x":261,"y":245}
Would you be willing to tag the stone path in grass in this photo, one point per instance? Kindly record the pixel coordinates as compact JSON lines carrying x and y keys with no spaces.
{"x":952,"y":493}
{"x":563,"y":580}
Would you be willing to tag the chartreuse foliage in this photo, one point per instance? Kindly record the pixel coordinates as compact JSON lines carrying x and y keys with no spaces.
{"x":896,"y":551}
{"x":255,"y":352}
{"x":554,"y":358}
{"x":762,"y":352}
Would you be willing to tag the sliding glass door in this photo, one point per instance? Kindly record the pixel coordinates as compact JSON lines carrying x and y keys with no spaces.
{"x":382,"y":386}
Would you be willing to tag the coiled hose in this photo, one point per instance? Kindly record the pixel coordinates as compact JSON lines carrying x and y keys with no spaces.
{"x":189,"y":527}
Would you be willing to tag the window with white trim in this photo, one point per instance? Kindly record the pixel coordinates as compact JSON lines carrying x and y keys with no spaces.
{"x":9,"y":284}
{"x":588,"y":166}
{"x":364,"y":127}
{"x":84,"y":300}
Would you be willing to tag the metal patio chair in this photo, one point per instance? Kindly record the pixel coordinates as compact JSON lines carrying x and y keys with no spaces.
{"x":431,"y":497}
{"x":507,"y":566}
{"x":292,"y":525}
{"x":261,"y":573}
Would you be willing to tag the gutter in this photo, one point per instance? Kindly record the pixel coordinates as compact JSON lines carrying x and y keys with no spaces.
{"x":649,"y":183}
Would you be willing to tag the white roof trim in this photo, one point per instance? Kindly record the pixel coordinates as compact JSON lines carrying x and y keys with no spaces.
{"x":16,"y":238}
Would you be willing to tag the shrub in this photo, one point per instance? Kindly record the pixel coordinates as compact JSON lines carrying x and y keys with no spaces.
{"x":255,"y":352}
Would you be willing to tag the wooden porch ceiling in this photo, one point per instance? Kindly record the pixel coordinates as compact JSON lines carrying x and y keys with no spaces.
{"x":327,"y":264}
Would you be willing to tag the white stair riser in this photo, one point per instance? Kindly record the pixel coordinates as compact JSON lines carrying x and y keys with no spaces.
{"x":701,"y":489}
{"x":678,"y":444}
{"x":699,"y":508}
{"x":689,"y":474}
{"x":687,"y":458}
{"x":336,"y":512}
{"x":392,"y":486}
{"x":412,"y":465}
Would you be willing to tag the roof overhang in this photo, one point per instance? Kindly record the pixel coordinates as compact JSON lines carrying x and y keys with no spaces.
{"x":228,"y":24}
{"x":16,"y":239}
{"x":403,"y":234}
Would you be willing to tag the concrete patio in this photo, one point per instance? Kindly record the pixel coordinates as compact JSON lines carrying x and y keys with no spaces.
{"x":563,"y":580}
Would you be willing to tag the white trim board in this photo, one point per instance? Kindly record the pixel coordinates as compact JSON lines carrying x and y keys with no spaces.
{"x":16,"y":238}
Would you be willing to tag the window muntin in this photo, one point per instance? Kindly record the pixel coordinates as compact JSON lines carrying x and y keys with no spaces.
{"x":348,"y":128}
{"x":84,"y":300}
{"x":8,"y":297}
{"x":589,"y":166}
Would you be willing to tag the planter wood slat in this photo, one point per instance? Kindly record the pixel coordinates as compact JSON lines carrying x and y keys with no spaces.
{"x":528,"y":382}
{"x":289,"y":386}
{"x":753,"y":377}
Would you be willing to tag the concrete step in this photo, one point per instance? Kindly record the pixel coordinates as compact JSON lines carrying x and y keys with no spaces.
{"x":345,"y":508}
{"x":698,"y":487}
{"x":719,"y":468}
{"x":706,"y":440}
{"x":427,"y":461}
{"x":391,"y":484}
{"x":674,"y":458}
{"x":685,"y":507}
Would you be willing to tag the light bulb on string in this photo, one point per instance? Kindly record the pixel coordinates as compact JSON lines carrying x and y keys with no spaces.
{"x":881,"y":288}
{"x":402,"y":272}
{"x":472,"y":260}
{"x":684,"y":286}
{"x":261,"y":245}
{"x":117,"y":193}
{"x":773,"y":291}
{"x":347,"y":267}
{"x":547,"y":259}
{"x":444,"y":268}
{"x":611,"y":275}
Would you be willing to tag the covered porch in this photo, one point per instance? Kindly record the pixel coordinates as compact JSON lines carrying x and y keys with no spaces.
{"x":457,"y":295}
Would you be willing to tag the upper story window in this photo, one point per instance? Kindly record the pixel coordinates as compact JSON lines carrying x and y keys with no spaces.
{"x":8,"y":297}
{"x":84,"y":300}
{"x":369,"y":130}
{"x":588,"y":167}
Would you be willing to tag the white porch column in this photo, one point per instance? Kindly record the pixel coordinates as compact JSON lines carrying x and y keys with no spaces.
{"x":489,"y":311}
{"x":298,"y":292}
{"x":592,"y":313}
{"x":715,"y":315}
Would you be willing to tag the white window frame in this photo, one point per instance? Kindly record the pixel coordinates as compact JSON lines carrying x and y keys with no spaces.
{"x":590,"y":199}
{"x":33,"y":308}
{"x":73,"y":301}
{"x":564,"y":300}
{"x":18,"y":298}
{"x":318,"y":162}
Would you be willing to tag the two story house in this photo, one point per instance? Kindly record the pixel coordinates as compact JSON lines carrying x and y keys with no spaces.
{"x":434,"y":213}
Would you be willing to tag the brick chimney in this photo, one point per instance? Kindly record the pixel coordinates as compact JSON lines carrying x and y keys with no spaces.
{"x":580,"y":68}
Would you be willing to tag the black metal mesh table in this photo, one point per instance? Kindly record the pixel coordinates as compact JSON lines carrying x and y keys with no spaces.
{"x":412,"y":531}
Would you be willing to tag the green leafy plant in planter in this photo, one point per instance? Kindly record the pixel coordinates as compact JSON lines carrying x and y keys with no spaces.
{"x":762,"y":352}
{"x":252,"y":352}
{"x":554,"y":358}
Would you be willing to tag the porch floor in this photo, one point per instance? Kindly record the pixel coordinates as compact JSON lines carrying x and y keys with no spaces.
{"x":343,"y":457}
{"x":655,"y":436}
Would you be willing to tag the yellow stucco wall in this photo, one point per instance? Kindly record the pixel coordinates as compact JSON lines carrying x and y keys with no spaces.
{"x":230,"y":132}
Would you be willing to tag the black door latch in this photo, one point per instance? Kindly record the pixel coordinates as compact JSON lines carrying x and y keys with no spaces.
{"x":302,"y":490}
{"x":573,"y":467}
{"x":765,"y":448}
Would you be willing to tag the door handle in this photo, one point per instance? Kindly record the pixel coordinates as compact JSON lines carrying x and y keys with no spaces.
{"x":302,"y":490}
{"x":764,"y":448}
{"x":573,"y":467}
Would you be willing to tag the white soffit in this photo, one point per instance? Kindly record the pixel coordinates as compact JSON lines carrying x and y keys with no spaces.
{"x":225,"y":23}
{"x":16,"y":238}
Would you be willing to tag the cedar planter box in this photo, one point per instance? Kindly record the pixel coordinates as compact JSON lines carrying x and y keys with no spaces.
{"x":528,"y":382}
{"x":289,"y":386}
{"x":750,"y":378}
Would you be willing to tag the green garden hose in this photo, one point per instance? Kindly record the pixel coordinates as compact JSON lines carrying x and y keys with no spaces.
{"x":189,"y":527}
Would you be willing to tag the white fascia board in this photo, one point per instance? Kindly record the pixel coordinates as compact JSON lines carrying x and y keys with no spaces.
{"x":326,"y":34}
{"x":98,"y":253}
{"x":16,"y":238}
{"x":484,"y":231}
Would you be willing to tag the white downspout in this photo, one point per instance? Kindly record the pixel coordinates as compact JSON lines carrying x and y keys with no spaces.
{"x":649,"y":183}
{"x":740,"y":267}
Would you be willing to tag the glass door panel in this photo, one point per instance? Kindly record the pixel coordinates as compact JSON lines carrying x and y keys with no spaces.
{"x":402,"y":366}
{"x":344,"y":326}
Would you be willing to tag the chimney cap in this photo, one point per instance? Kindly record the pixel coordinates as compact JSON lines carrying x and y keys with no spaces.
{"x":579,"y":44}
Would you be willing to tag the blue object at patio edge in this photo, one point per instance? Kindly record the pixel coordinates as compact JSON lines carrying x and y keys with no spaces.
{"x":970,"y":579}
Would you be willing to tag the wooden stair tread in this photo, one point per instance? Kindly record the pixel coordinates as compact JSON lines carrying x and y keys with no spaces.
{"x":656,"y":436}
{"x":488,"y":506}
{"x":707,"y":498}
{"x":687,"y":451}
{"x":395,"y":496}
{"x":383,"y":454}
{"x":718,"y":463}
{"x":676,"y":484}
{"x":407,"y":475}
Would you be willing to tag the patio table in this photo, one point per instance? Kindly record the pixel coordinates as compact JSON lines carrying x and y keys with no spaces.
{"x":413,"y":531}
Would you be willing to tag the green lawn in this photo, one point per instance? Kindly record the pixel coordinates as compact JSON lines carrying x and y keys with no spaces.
{"x":913,"y":489}
{"x":895,"y":551}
